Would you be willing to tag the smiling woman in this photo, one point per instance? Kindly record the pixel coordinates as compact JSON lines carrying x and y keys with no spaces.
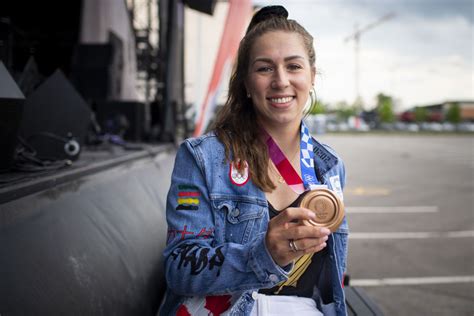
{"x":279,"y":80}
{"x":243,"y":247}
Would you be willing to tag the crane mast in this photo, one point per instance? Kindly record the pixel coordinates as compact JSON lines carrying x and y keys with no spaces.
{"x":356,"y":38}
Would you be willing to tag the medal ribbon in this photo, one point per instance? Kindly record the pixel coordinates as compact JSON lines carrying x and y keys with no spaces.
{"x":284,"y":167}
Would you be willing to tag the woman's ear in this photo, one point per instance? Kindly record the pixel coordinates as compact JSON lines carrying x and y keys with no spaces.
{"x":313,"y":75}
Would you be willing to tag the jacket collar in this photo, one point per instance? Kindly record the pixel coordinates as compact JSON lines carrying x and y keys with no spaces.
{"x":323,"y":158}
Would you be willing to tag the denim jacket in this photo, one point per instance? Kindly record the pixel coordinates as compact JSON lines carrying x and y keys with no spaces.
{"x":216,"y":255}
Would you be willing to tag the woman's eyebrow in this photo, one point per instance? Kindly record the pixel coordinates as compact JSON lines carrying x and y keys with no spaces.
{"x":269,"y":60}
{"x":293,"y":57}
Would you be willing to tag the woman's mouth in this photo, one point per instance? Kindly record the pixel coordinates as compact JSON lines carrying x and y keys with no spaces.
{"x":279,"y":101}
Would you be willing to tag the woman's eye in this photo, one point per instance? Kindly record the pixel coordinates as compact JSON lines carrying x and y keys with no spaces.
{"x":264,"y":69}
{"x":294,"y":67}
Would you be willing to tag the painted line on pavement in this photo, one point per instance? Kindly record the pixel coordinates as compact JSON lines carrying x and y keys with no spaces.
{"x":367,"y":191}
{"x":391,"y":209}
{"x":412,"y":281}
{"x":413,"y":235}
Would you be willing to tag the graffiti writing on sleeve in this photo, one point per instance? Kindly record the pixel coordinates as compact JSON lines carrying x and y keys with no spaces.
{"x":198,"y":257}
{"x":203,"y":233}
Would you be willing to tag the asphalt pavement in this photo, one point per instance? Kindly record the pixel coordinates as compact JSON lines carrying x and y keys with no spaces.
{"x":410,"y":206}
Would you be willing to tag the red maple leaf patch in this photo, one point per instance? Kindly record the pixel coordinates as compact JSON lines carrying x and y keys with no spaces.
{"x":217,"y":304}
{"x":182,"y":311}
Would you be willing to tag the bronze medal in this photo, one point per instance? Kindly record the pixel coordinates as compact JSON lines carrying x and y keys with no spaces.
{"x":327,"y":206}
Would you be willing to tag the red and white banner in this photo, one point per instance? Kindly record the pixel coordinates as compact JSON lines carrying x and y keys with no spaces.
{"x":236,"y":22}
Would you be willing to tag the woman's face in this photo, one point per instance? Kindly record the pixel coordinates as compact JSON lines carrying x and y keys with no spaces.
{"x":279,"y":78}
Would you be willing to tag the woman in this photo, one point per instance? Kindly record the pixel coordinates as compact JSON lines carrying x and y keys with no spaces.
{"x":236,"y":245}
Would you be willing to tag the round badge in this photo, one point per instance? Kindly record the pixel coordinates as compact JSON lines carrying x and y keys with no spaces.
{"x":327,"y":206}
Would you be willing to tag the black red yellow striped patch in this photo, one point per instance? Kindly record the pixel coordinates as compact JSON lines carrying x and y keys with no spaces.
{"x":188,"y":197}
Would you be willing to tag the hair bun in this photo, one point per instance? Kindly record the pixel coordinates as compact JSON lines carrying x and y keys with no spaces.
{"x":266,"y":13}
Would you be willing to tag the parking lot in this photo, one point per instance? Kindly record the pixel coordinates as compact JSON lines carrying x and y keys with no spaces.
{"x":410,"y":206}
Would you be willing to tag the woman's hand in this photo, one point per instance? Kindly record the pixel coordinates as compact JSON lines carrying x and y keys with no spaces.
{"x":286,"y":227}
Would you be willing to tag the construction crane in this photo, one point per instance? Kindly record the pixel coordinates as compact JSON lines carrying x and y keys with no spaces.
{"x":356,"y":37}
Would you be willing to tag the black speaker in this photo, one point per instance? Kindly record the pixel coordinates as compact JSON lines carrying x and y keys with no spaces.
{"x":55,"y":119}
{"x":97,"y":69}
{"x":11,"y":108}
{"x":125,"y":118}
{"x":30,"y":78}
{"x":92,"y":55}
{"x":6,"y":41}
{"x":205,"y":6}
{"x":93,"y":84}
{"x":91,"y":73}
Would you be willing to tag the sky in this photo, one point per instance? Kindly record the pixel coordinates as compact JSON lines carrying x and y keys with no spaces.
{"x":422,"y":55}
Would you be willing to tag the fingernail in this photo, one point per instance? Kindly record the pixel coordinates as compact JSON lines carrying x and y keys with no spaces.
{"x":325,"y":231}
{"x":311,"y":215}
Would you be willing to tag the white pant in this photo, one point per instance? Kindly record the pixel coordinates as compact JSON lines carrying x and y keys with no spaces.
{"x":275,"y":305}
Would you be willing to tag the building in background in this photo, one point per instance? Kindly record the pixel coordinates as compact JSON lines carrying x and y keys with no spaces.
{"x":439,"y":112}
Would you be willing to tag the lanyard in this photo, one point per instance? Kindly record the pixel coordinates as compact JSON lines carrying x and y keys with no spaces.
{"x":284,"y":167}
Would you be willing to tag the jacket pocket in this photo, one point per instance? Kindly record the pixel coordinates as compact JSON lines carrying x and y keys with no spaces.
{"x":242,"y":220}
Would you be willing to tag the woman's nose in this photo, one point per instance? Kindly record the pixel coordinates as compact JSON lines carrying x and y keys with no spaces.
{"x":280,"y":79}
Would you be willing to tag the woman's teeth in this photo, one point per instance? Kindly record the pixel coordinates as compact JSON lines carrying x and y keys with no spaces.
{"x":281,"y":100}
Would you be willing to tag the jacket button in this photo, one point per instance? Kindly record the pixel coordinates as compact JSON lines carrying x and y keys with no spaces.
{"x":235,"y":212}
{"x":254,"y":295}
{"x":273,"y":278}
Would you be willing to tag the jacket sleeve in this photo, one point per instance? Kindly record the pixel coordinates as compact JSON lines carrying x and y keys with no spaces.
{"x":343,"y":231}
{"x":195,"y":263}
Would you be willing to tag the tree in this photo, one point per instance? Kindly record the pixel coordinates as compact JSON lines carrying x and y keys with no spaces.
{"x":453,"y":115}
{"x":344,"y":110}
{"x":421,"y":114}
{"x":385,"y":108}
{"x":318,"y":108}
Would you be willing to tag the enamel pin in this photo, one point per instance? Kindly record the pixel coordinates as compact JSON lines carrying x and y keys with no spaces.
{"x":236,"y":177}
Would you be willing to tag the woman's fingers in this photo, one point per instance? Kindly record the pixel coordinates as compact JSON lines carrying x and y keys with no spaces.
{"x":315,"y":248}
{"x":302,"y":231}
{"x":291,"y":221}
{"x":307,"y":244}
{"x":292,"y":214}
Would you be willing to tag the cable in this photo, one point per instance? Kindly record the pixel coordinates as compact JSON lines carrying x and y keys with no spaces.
{"x":28,"y":166}
{"x":71,"y":148}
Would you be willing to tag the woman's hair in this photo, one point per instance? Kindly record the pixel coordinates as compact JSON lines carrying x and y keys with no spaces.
{"x":236,"y":123}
